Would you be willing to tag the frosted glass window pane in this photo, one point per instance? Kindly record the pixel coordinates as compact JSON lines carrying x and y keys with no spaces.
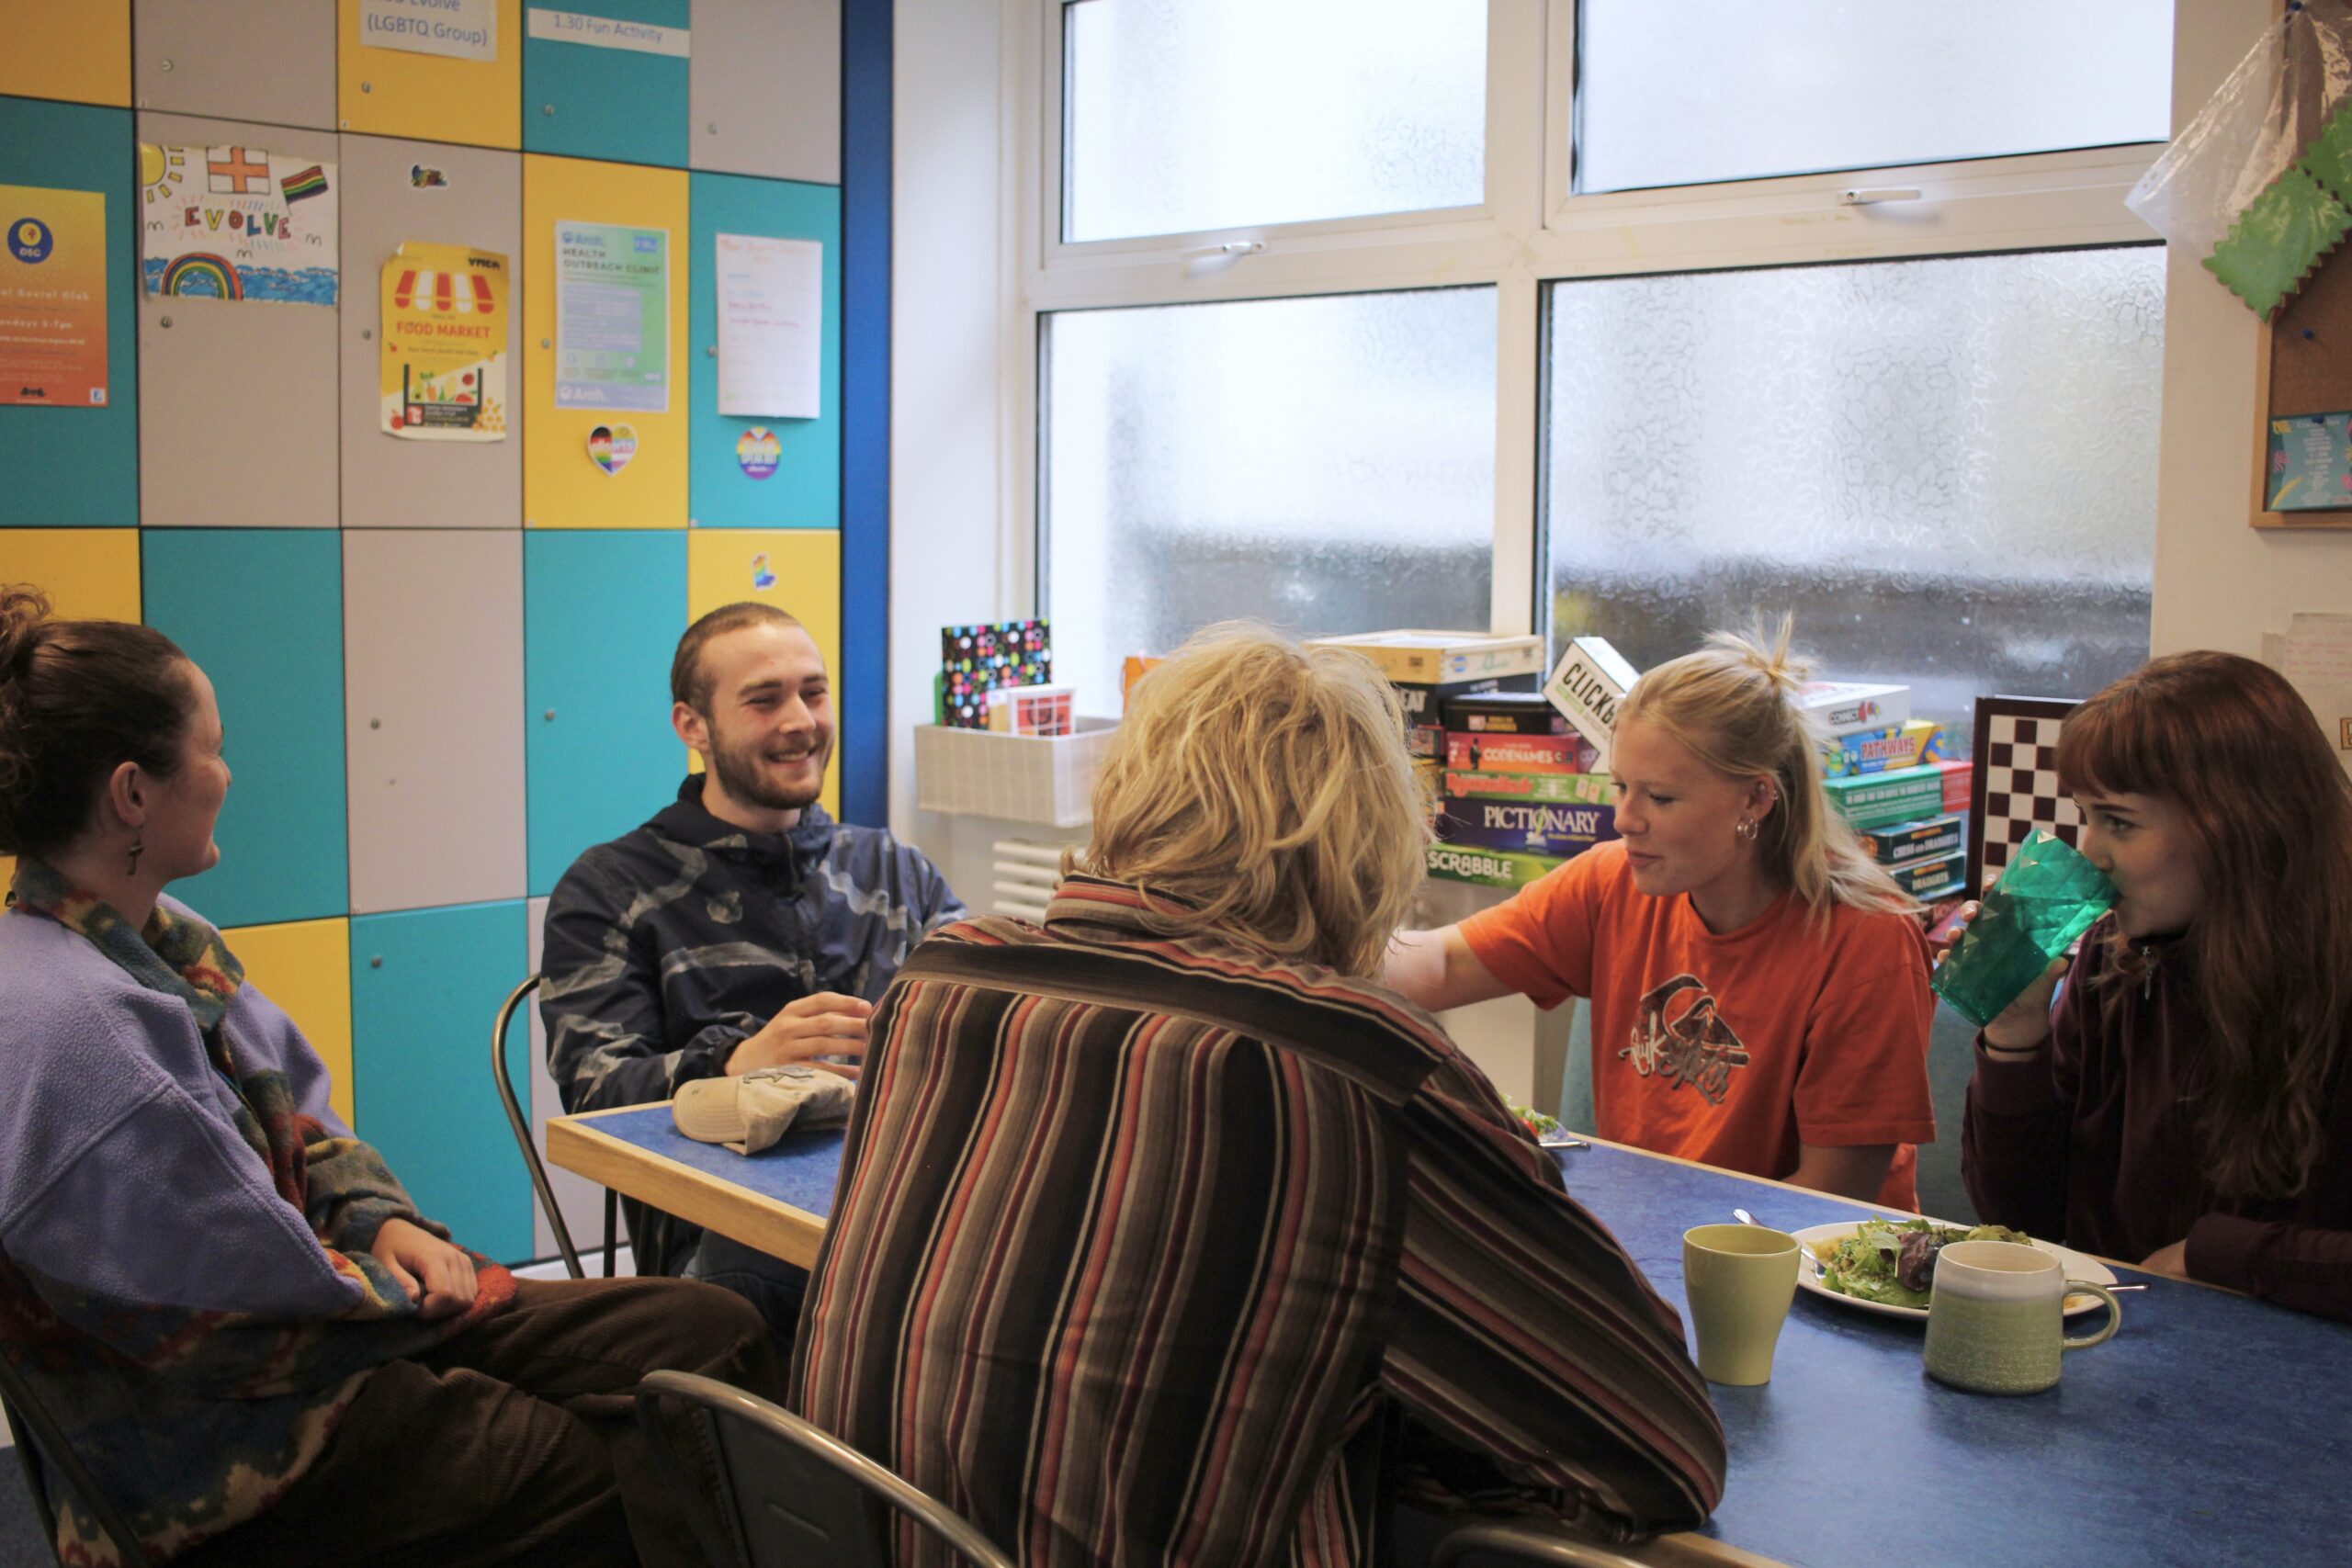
{"x":1183,"y":115}
{"x":1946,"y":468}
{"x":1730,"y":89}
{"x":1324,"y":464}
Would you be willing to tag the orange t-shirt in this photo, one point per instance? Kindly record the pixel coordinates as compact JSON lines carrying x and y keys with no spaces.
{"x":1733,"y":1049}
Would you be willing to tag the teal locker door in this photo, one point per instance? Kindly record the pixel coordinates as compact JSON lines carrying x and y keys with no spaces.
{"x":610,"y":84}
{"x":76,"y":468}
{"x":425,"y":985}
{"x":805,"y":489}
{"x":261,"y":611}
{"x":602,"y":613}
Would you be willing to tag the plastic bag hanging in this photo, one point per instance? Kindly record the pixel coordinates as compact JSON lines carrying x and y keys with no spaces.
{"x":2259,"y":186}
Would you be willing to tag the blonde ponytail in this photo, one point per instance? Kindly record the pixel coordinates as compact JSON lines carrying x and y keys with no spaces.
{"x":1734,"y":705}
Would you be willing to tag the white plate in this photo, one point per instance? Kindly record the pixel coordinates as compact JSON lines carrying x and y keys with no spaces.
{"x":2079,"y":1266}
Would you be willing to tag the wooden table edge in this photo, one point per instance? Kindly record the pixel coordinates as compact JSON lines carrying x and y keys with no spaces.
{"x":769,"y":1225}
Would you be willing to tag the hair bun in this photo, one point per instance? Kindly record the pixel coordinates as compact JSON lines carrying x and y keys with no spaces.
{"x":1767,"y":653}
{"x":23,"y":609}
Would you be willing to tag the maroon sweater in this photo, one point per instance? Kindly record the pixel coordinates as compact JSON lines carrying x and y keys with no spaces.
{"x":2090,"y":1142}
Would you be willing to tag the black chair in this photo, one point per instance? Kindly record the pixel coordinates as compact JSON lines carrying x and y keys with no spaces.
{"x":39,"y":1438}
{"x":521,"y":1126}
{"x":1497,"y":1541}
{"x":795,"y":1496}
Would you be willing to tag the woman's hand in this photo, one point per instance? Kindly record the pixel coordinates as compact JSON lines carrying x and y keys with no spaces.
{"x":2172,"y":1260}
{"x":436,"y":1276}
{"x":2024,"y":1024}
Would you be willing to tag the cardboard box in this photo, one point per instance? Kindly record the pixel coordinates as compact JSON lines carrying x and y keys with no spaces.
{"x":1565,"y":789}
{"x":1487,"y":868}
{"x":1525,"y":827}
{"x":1899,"y":843}
{"x":1518,"y":753}
{"x":1592,"y":678}
{"x":1882,"y":751}
{"x":1414,"y":657}
{"x":1841,"y":708}
{"x":1426,"y":704}
{"x":1425,"y":743}
{"x":1032,"y":710}
{"x":1504,"y":713}
{"x":1957,"y":776}
{"x":1903,"y":795}
{"x":1928,"y":878}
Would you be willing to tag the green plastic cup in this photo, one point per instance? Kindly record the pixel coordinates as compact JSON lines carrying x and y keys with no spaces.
{"x":2048,"y":896}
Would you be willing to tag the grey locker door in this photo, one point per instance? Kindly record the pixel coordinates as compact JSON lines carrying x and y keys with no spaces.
{"x":583,"y":1200}
{"x":236,"y":399}
{"x":765,"y":89}
{"x":389,"y":482}
{"x":433,"y":707}
{"x":270,"y":60}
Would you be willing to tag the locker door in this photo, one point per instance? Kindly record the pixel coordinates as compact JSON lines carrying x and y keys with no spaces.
{"x":389,"y":482}
{"x":237,"y":399}
{"x":305,"y":968}
{"x":764,"y":88}
{"x":260,"y":610}
{"x":88,"y":574}
{"x":271,"y":60}
{"x":79,"y":53}
{"x":583,"y":1200}
{"x":601,"y":616}
{"x":800,"y":572}
{"x":425,"y":986}
{"x":78,"y":467}
{"x":437,"y":98}
{"x":594,"y":89}
{"x":433,"y":704}
{"x":805,"y":489}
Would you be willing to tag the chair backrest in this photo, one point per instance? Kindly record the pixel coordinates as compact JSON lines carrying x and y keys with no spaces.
{"x":2014,"y":787}
{"x":796,"y":1496}
{"x":38,"y":1437}
{"x":521,"y":1125}
{"x":1494,"y":1543}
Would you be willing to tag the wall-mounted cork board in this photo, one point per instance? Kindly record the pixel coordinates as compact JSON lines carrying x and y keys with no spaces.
{"x":2303,"y":382}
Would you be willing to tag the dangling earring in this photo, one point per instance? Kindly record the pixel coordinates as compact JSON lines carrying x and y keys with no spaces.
{"x":1745,"y":828}
{"x":138,"y":848}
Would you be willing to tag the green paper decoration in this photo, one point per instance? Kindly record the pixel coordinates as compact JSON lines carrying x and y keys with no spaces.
{"x":2277,"y":241}
{"x":2329,"y":158}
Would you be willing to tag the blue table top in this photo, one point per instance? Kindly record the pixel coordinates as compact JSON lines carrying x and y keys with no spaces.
{"x":2208,"y":1431}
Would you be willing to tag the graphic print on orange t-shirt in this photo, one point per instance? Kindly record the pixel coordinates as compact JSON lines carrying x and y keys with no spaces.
{"x":1679,"y":1035}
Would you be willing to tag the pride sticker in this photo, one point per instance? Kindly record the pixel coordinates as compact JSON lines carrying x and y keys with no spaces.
{"x":757,"y":451}
{"x":610,"y":447}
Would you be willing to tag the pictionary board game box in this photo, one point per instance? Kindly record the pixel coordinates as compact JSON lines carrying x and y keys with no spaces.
{"x":1531,"y":827}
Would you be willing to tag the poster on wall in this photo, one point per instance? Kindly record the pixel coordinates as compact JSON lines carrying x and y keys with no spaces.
{"x":771,"y":321}
{"x":53,"y":297}
{"x":238,"y":223}
{"x":2310,"y":463}
{"x":444,"y":343}
{"x":462,"y":30}
{"x":612,"y":317}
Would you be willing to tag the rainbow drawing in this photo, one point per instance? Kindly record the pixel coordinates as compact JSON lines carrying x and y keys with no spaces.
{"x":309,"y":182}
{"x":201,"y":276}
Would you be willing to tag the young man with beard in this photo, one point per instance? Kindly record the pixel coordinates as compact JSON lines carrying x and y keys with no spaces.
{"x":741,"y":928}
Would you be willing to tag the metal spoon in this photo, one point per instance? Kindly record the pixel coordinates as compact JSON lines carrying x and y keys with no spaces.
{"x":1744,"y":1217}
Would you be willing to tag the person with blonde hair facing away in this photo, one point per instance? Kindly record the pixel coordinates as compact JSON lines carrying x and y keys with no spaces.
{"x":1162,"y":1224}
{"x":1758,"y":987}
{"x":2188,"y":1102}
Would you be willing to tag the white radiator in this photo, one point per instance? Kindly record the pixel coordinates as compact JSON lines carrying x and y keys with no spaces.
{"x":1024,"y":876}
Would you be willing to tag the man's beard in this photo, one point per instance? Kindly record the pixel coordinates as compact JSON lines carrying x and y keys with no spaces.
{"x":739,"y":769}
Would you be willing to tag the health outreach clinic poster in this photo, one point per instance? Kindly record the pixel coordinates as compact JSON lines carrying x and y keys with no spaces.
{"x":443,"y":355}
{"x":53,"y":297}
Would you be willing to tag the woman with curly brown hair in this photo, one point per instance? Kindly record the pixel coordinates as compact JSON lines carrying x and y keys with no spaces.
{"x":2185,"y":1101}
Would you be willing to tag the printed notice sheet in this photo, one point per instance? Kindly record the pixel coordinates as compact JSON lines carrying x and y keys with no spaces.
{"x":612,"y":317}
{"x":770,"y":326}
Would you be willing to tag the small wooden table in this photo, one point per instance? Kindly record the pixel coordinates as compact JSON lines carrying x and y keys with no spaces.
{"x":775,"y":1201}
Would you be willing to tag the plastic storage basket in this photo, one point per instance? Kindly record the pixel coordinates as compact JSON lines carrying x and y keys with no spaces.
{"x":1015,"y":778}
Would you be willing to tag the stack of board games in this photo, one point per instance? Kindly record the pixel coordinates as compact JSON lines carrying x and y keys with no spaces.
{"x":1893,"y":780}
{"x":1429,"y":669}
{"x":1521,"y":792}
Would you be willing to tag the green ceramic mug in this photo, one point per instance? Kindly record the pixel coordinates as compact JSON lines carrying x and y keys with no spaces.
{"x":1997,"y":1317}
{"x":1739,"y":1279}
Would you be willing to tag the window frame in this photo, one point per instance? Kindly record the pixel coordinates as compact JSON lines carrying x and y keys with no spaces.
{"x":1531,"y":229}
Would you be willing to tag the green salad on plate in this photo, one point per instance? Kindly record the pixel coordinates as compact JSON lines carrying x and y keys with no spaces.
{"x":1894,"y":1262}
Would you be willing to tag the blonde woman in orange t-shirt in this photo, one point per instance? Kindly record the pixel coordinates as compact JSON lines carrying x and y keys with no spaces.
{"x":1759,"y":987}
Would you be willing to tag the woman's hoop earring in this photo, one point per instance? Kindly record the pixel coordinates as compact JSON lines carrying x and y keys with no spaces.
{"x":1745,"y":828}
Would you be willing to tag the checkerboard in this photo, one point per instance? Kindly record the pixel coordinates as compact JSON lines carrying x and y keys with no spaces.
{"x":2016,"y":784}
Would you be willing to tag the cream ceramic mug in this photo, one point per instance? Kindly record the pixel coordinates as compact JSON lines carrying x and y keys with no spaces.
{"x":1739,"y":1279}
{"x":1997,"y":1317}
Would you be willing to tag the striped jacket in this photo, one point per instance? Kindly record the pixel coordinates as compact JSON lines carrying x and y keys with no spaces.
{"x":1158,"y":1251}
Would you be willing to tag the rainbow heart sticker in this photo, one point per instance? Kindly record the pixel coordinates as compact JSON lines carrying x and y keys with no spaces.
{"x":610,"y":447}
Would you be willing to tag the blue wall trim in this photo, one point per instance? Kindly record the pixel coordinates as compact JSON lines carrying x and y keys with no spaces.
{"x":865,"y":412}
